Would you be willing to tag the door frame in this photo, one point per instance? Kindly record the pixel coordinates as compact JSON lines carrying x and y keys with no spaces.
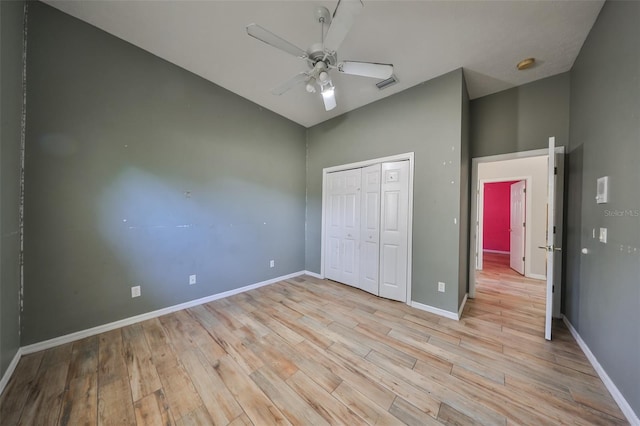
{"x":408,"y":156}
{"x":528,"y":213}
{"x":474,"y":208}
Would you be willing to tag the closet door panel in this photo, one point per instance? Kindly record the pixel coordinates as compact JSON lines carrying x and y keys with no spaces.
{"x":342,"y":239}
{"x":370,"y":229}
{"x":393,"y":230}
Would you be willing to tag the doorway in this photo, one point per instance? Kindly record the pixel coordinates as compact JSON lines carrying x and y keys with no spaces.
{"x":366,"y":225}
{"x":543,"y":225}
{"x":502,"y":220}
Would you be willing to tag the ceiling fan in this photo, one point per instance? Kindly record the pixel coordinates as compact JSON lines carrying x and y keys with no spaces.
{"x":322,"y":57}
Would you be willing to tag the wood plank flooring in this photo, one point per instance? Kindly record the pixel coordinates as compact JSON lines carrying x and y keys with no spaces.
{"x":311,"y":352}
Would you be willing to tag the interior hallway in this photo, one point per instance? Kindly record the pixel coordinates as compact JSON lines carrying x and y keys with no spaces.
{"x":505,"y":297}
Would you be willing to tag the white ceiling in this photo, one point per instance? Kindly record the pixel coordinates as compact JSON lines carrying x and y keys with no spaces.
{"x":422,"y":39}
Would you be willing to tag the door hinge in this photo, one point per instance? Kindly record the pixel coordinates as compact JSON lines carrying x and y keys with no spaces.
{"x":555,"y":170}
{"x":554,"y":229}
{"x":553,"y":289}
{"x":524,"y":190}
{"x":524,"y":224}
{"x":523,"y":258}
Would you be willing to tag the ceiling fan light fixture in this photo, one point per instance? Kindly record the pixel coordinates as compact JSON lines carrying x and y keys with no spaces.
{"x":328,"y":91}
{"x":310,"y":85}
{"x":322,"y":58}
{"x":328,"y":96}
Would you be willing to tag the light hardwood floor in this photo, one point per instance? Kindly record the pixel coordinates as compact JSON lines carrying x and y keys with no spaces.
{"x":310,"y":351}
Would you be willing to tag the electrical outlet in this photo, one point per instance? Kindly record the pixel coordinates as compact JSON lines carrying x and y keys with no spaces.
{"x":272,"y":263}
{"x":440,"y":286}
{"x":192,"y":279}
{"x":135,"y":291}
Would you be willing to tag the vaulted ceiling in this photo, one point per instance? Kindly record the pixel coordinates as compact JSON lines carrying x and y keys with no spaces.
{"x":422,"y":39}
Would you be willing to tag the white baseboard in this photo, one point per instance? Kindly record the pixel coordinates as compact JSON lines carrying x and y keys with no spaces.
{"x":47,"y":344}
{"x":12,"y":367}
{"x":434,"y":310}
{"x":495,"y":251}
{"x":536,"y":276}
{"x":613,"y":389}
{"x":314,"y":275}
{"x":464,"y":301}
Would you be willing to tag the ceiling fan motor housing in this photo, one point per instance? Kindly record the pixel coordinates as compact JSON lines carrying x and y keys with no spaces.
{"x":316,"y":53}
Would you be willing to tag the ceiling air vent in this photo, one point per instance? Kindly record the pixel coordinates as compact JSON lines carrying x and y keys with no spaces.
{"x":388,"y":82}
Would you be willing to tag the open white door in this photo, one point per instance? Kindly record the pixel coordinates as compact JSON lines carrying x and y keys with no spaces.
{"x":554,"y":212}
{"x":517,"y":226}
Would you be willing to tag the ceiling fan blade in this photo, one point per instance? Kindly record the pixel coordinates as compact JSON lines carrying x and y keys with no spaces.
{"x":300,"y":78}
{"x":343,"y":18}
{"x":266,"y":36}
{"x":366,"y":69}
{"x":329,"y":98}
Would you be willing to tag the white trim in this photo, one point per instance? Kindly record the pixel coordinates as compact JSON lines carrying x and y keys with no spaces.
{"x":536,"y":276}
{"x":496,"y":251}
{"x":399,"y":157}
{"x":631,"y":416}
{"x":12,"y":367}
{"x":513,"y":155}
{"x":371,"y":162}
{"x":464,"y":301}
{"x":40,"y":346}
{"x":434,"y":310}
{"x":314,"y":275}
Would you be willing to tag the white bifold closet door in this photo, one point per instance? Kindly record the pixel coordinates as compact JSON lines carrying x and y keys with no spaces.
{"x":343,"y":227}
{"x":366,"y":228}
{"x":370,"y":229}
{"x":394,"y":221}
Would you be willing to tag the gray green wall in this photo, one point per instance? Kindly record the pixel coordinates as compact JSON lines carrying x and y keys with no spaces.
{"x":522,"y":118}
{"x":425,"y":119}
{"x":603,"y":288}
{"x":140,"y":173}
{"x":11,"y":30}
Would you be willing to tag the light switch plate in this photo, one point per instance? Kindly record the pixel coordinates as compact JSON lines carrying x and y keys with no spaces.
{"x":602,"y":192}
{"x":603,"y":235}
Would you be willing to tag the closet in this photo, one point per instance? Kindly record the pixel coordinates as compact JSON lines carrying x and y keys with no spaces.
{"x":366,"y":228}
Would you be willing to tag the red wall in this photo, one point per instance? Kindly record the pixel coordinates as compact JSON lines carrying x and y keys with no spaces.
{"x":497,"y":212}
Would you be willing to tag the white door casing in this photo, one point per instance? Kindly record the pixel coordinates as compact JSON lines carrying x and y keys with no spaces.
{"x":476,"y":210}
{"x":394,"y":195}
{"x":370,"y":229}
{"x":517,"y":227}
{"x":343,"y":227}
